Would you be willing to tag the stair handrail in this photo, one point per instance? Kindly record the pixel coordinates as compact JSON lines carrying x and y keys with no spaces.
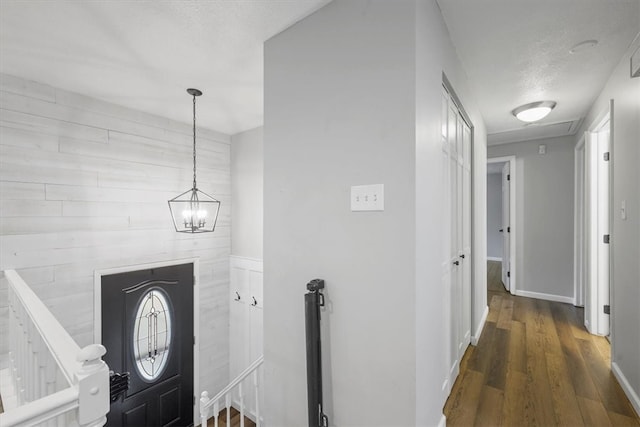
{"x":63,"y":348}
{"x":84,"y":393}
{"x":206,"y":403}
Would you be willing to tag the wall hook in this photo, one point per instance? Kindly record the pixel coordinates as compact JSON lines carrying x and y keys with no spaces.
{"x":237,"y":298}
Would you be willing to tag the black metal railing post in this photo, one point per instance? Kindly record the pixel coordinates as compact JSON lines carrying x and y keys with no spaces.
{"x":313,"y":300}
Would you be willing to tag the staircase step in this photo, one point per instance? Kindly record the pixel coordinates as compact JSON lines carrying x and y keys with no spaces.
{"x":234,"y":419}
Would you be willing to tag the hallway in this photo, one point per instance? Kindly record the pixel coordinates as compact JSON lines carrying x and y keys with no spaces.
{"x":535,"y":364}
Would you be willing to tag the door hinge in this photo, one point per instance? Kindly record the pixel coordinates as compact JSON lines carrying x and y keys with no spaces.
{"x":194,"y":340}
{"x":607,"y":309}
{"x":606,"y":238}
{"x":508,"y":177}
{"x":508,"y":274}
{"x":508,"y":229}
{"x":606,"y":156}
{"x":194,"y":401}
{"x":194,"y":280}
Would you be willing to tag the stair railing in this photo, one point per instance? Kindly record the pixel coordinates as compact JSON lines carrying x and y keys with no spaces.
{"x":233,"y":391}
{"x":55,"y":382}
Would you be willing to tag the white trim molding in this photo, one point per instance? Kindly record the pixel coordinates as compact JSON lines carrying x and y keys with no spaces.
{"x":547,"y":297}
{"x":494,"y":258}
{"x":626,"y":387}
{"x":475,"y":338}
{"x":443,"y":421}
{"x":513,"y":219}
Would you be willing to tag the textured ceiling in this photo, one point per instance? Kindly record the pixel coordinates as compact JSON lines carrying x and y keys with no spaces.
{"x":145,"y":54}
{"x":517,"y":51}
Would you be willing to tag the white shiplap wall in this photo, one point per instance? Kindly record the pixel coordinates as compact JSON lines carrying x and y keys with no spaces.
{"x":84,"y":185}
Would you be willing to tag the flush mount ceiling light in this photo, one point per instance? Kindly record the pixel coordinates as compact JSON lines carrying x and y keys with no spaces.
{"x":194,"y":211}
{"x":579,"y":47}
{"x":533,"y":112}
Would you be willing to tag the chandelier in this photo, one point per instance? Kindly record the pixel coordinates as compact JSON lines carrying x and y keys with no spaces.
{"x":194,"y":211}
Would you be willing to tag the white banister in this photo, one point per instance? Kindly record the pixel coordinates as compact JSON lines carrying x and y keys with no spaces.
{"x":236,"y":384}
{"x":62,"y":347}
{"x":56,"y":382}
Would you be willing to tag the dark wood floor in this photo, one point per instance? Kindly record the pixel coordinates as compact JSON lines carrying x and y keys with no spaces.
{"x":234,"y":416}
{"x":536,"y":365}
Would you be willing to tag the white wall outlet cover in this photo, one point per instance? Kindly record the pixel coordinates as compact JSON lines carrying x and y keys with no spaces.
{"x":542,"y":149}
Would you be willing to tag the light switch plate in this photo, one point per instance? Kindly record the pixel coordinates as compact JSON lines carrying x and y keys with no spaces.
{"x":367,"y":197}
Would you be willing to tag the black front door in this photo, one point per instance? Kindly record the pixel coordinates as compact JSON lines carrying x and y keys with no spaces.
{"x":147,"y":328}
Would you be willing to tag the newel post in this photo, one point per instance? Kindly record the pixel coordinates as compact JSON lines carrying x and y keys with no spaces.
{"x":204,"y":411}
{"x":93,"y":386}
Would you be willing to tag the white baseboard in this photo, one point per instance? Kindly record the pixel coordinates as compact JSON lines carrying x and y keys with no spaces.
{"x":443,"y":421}
{"x":548,"y":297}
{"x":476,"y":336}
{"x":626,"y":387}
{"x":494,"y":258}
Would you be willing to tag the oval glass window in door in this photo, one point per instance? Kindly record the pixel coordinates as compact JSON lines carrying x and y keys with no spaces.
{"x":152,"y":334}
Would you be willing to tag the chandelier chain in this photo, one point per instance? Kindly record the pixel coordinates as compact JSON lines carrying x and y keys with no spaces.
{"x":194,"y":141}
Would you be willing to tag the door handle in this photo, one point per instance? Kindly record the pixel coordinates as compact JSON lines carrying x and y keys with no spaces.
{"x":501,"y":230}
{"x":456,"y":262}
{"x":462,"y":256}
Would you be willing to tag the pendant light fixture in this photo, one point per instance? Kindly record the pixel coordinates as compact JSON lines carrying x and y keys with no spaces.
{"x":194,"y":211}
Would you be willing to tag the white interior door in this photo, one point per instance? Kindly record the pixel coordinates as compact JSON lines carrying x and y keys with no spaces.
{"x":456,"y":263}
{"x":506,"y":226}
{"x":603,"y":229}
{"x":454,"y":247}
{"x":466,"y":239}
{"x":597,"y":147}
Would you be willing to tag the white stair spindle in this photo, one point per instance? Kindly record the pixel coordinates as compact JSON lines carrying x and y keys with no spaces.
{"x":51,"y":374}
{"x":204,"y":409}
{"x":13,"y":336}
{"x":227,"y":403}
{"x":241,"y":405}
{"x":216,"y":413}
{"x":35,"y":367}
{"x":257,"y":397}
{"x":21,"y":356}
{"x":42,"y":368}
{"x":30,"y":383}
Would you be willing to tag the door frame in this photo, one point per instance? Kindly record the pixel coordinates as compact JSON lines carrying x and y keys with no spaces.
{"x":594,"y":319}
{"x":512,"y":218}
{"x":579,"y":223}
{"x":97,"y":311}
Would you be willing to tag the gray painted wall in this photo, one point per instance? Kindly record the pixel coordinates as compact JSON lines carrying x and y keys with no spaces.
{"x":625,"y":246}
{"x":494,"y":215}
{"x":246,"y":193}
{"x":339,"y":111}
{"x":352,"y":96}
{"x":544,"y":214}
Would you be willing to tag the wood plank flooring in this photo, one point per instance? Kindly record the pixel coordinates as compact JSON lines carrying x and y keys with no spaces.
{"x":536,"y":365}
